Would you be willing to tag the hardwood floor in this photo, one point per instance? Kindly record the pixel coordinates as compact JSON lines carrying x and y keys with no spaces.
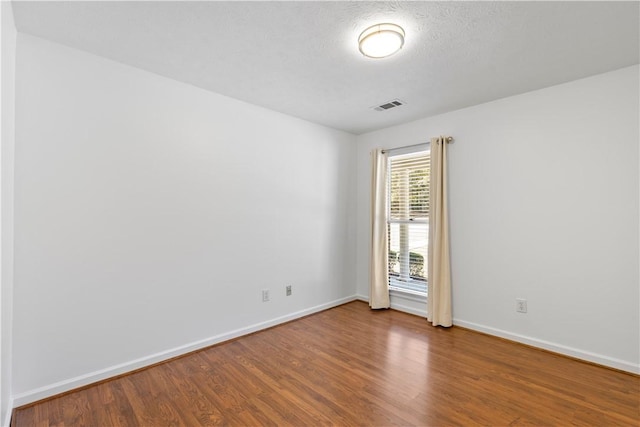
{"x":353,"y":366}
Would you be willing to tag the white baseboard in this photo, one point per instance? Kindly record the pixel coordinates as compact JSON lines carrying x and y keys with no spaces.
{"x":7,"y":418}
{"x":409,"y":303}
{"x":410,"y":310}
{"x":92,"y":377}
{"x":534,"y":342}
{"x":396,"y":304}
{"x":556,"y":348}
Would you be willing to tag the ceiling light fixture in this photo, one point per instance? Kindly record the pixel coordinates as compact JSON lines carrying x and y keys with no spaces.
{"x":381,"y":40}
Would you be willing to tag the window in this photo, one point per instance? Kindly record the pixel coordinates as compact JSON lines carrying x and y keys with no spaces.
{"x":408,"y":221}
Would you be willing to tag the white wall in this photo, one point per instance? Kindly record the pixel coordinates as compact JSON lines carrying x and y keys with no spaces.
{"x":543,"y":206}
{"x":150,"y":214}
{"x":7,"y":94}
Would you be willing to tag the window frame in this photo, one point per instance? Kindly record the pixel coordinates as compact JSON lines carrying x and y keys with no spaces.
{"x":395,"y":284}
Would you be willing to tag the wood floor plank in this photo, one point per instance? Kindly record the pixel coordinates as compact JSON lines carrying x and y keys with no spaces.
{"x":353,"y":366}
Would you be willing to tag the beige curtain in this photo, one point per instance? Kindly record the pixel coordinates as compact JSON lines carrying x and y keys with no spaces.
{"x":379,"y":270}
{"x":439,"y":293}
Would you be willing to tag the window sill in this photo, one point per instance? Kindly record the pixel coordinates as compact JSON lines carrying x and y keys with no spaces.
{"x":407,"y":294}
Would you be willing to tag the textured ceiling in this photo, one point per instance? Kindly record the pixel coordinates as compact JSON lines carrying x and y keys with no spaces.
{"x":301,"y":58}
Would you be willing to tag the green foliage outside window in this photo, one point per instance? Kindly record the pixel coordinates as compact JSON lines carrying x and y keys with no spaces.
{"x":416,"y":264}
{"x":418,"y":192}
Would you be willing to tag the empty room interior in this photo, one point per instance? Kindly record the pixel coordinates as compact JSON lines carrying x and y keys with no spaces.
{"x":320,"y":213}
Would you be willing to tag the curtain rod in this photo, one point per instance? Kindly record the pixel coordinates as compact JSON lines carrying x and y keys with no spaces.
{"x":449,"y":139}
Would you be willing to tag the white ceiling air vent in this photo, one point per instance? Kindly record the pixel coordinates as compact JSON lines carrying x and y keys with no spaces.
{"x":389,"y":105}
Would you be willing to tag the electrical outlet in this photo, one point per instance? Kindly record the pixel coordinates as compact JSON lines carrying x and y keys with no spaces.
{"x":521,"y":305}
{"x":289,"y":290}
{"x":265,"y":295}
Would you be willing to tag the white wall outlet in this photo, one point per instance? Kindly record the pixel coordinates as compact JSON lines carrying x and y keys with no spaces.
{"x":521,"y":305}
{"x":265,"y":295}
{"x":288,"y":290}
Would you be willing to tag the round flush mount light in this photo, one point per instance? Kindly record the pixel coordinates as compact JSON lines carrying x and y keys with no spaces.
{"x":381,"y":40}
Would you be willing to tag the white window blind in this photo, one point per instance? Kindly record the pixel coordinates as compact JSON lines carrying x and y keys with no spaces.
{"x":408,"y":221}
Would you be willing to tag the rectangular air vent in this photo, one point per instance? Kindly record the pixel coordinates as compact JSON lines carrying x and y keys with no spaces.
{"x":388,"y":105}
